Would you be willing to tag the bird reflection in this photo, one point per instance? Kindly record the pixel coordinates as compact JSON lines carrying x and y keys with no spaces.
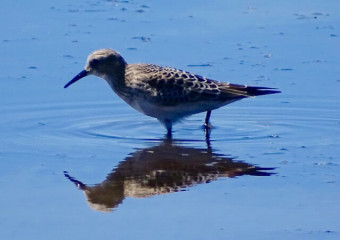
{"x":165,"y":168}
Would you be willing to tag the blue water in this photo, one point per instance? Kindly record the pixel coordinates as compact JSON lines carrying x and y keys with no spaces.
{"x":79,"y":163}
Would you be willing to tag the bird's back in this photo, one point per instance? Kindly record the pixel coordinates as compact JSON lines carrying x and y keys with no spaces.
{"x":170,"y":86}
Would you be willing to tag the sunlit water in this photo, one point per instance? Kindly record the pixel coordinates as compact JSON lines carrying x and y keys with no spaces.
{"x":79,"y":163}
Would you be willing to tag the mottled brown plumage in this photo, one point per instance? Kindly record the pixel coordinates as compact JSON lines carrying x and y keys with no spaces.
{"x":163,"y":169}
{"x":165,"y":93}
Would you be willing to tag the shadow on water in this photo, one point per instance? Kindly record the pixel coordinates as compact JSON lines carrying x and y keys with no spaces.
{"x":165,"y":168}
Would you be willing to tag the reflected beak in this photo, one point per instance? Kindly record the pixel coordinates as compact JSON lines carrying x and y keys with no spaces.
{"x":76,"y":78}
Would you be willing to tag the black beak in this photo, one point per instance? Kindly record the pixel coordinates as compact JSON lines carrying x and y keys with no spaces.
{"x":76,"y":78}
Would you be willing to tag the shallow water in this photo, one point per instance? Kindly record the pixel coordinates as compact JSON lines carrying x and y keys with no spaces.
{"x":79,"y":163}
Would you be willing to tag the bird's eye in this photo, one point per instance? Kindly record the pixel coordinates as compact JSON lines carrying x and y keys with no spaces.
{"x":94,"y":62}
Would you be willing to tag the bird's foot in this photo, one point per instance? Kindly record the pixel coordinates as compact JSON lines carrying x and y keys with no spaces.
{"x":169,"y":135}
{"x":207,"y":132}
{"x":207,"y":126}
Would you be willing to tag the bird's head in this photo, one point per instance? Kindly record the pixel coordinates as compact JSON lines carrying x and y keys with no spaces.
{"x":101,"y":63}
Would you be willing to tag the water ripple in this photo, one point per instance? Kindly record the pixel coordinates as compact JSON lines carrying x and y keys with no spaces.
{"x":114,"y":120}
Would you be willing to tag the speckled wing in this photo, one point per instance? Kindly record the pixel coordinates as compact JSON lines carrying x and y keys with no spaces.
{"x":169,"y":86}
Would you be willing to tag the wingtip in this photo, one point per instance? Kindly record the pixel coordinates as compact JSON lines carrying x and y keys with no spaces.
{"x":269,"y":91}
{"x":257,"y":91}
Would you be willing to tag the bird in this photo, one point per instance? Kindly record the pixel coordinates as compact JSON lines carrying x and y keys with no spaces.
{"x":165,"y":93}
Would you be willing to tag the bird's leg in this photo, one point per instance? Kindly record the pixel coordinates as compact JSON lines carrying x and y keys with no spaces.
{"x":207,"y":126}
{"x":169,"y":134}
{"x":206,"y":122}
{"x":207,"y":137}
{"x":168,"y":125}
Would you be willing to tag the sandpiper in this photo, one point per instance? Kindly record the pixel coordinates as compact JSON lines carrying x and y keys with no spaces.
{"x":165,"y":93}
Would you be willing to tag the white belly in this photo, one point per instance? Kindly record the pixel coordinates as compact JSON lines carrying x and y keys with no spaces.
{"x":174,"y":113}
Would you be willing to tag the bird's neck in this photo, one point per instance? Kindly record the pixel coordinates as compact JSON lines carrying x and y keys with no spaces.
{"x":115,"y":79}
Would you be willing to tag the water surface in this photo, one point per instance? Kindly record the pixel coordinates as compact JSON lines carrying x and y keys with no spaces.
{"x":79,"y":163}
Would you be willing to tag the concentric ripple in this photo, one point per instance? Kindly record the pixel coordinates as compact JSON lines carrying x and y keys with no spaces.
{"x":115,"y":120}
